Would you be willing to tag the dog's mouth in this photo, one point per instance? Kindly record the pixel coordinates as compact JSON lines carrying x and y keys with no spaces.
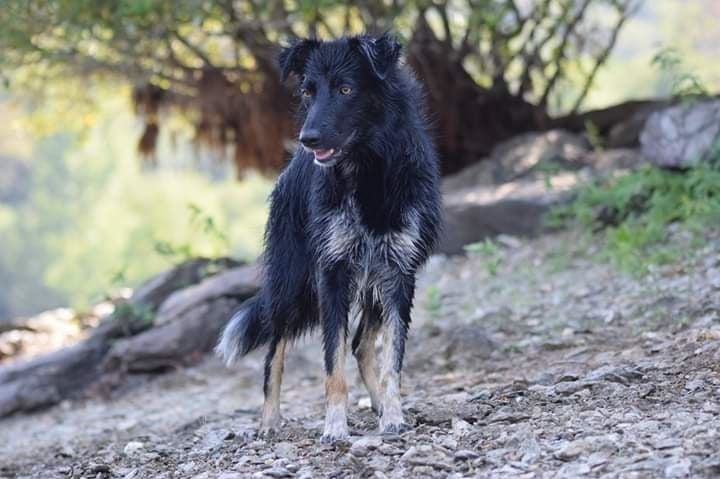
{"x":330,"y":156}
{"x":323,"y":155}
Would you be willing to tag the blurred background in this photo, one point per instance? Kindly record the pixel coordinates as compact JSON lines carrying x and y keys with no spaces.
{"x":569,"y":324}
{"x":127,"y":126}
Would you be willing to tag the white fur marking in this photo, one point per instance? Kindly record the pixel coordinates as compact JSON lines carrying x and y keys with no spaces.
{"x":392,"y":416}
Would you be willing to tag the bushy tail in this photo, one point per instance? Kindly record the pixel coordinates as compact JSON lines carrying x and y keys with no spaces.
{"x":245,"y":331}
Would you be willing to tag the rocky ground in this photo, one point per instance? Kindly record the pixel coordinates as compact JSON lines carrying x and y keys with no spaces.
{"x":533,"y":361}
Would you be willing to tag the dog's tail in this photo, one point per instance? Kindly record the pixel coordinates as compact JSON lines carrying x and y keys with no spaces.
{"x":245,"y":331}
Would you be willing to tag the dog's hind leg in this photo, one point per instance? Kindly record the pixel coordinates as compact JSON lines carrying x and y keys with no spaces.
{"x":333,"y":294}
{"x":363,"y":347}
{"x":397,"y":302}
{"x":274,"y":366}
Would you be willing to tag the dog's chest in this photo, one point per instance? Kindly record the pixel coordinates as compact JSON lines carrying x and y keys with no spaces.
{"x":349,"y":237}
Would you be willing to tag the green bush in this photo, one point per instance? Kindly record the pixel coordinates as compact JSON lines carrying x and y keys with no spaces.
{"x":634,"y":210}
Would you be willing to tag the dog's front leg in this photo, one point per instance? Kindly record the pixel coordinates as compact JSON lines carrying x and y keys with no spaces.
{"x":334,"y":305}
{"x":397,"y":302}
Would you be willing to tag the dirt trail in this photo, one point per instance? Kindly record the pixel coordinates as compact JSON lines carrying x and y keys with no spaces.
{"x":553,"y":366}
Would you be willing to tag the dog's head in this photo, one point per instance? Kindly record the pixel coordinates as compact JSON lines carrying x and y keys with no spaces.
{"x":340,"y":84}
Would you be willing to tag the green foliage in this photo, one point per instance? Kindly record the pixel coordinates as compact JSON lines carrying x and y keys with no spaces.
{"x":683,"y":83}
{"x":547,"y":168}
{"x":92,"y":220}
{"x":490,"y":251}
{"x":133,"y":315}
{"x":169,"y":43}
{"x":203,"y":226}
{"x":594,"y":136}
{"x":635,"y":211}
{"x":433,"y":301}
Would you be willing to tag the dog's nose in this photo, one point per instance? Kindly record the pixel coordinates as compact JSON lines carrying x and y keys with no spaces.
{"x":310,"y":137}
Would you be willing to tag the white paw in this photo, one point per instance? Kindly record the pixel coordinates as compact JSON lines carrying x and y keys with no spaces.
{"x":336,"y":428}
{"x":270,"y":425}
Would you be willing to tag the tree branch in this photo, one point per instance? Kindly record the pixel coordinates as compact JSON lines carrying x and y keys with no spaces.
{"x":560,"y":56}
{"x":194,"y":49}
{"x":625,"y":11}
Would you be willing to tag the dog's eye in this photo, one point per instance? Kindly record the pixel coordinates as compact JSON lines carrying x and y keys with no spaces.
{"x":305,"y":93}
{"x":345,"y":90}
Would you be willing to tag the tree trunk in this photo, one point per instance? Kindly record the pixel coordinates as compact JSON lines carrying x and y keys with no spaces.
{"x":468,"y":120}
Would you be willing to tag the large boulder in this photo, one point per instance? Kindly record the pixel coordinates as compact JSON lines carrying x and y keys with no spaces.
{"x":682,"y":135}
{"x":509,"y":192}
{"x":528,"y":155}
{"x":515,"y":208}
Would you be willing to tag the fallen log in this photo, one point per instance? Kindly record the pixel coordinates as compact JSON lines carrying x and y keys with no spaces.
{"x":130,"y":340}
{"x":188,"y":324}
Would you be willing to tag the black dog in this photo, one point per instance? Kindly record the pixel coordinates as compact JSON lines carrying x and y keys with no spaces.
{"x":353,"y":216}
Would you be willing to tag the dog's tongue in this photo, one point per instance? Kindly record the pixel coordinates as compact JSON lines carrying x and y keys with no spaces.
{"x":322,"y":155}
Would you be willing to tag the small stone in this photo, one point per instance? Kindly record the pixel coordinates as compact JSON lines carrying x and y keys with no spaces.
{"x":423,"y":471}
{"x":132,"y":448}
{"x":278,"y":472}
{"x":507,"y":414}
{"x":570,"y":450}
{"x":678,"y":469}
{"x":95,"y":468}
{"x":229,"y":475}
{"x":127,"y":424}
{"x":574,"y":470}
{"x":612,"y":316}
{"x":460,"y":427}
{"x":304,"y":473}
{"x":186,"y":466}
{"x":364,"y":403}
{"x":412,"y":451}
{"x":133,"y":474}
{"x":530,"y":450}
{"x":365,"y":444}
{"x":389,"y":450}
{"x":668,"y":443}
{"x":285,"y":450}
{"x":694,"y":385}
{"x":449,"y":442}
{"x":465,"y":455}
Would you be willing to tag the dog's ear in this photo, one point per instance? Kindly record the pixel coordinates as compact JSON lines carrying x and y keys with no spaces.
{"x":292,"y":59}
{"x":382,"y":53}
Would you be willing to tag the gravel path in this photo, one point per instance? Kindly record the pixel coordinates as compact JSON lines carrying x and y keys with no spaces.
{"x":538,"y":362}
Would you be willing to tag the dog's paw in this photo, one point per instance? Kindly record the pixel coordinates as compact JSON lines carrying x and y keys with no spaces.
{"x":336,"y":426}
{"x":335,"y":432}
{"x":393,"y":427}
{"x":270,"y":427}
{"x":333,"y":438}
{"x":267,"y":432}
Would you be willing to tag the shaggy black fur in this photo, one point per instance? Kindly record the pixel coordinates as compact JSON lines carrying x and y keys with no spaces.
{"x":357,"y":210}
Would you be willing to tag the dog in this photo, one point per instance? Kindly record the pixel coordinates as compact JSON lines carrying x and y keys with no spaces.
{"x":353,"y":216}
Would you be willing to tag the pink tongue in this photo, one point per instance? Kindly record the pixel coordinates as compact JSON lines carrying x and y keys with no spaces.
{"x":323,"y":154}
